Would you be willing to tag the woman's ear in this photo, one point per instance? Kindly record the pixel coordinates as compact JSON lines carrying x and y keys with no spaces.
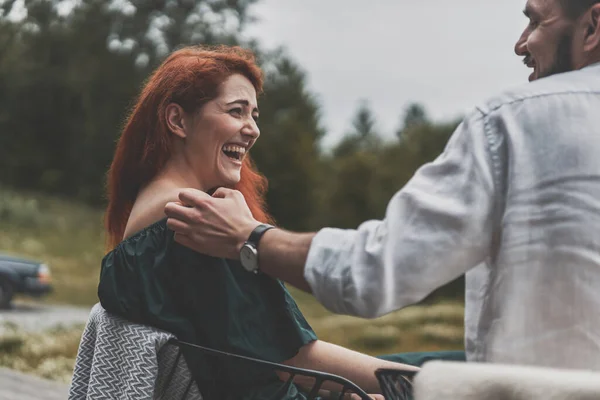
{"x":175,"y":117}
{"x":592,"y":29}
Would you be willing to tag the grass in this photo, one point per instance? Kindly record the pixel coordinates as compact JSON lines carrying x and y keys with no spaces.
{"x":417,"y":328}
{"x":68,"y":236}
{"x":49,"y":354}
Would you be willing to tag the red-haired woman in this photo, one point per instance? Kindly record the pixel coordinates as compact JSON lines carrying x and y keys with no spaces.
{"x":192,"y":126}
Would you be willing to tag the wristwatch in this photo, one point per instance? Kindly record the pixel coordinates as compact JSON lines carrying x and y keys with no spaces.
{"x":249,"y":251}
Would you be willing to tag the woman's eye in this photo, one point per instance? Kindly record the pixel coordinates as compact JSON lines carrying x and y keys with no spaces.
{"x":533,"y":24}
{"x":236,"y":111}
{"x":255,"y":117}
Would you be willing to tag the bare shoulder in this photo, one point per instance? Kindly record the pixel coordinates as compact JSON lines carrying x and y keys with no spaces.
{"x":149,"y":206}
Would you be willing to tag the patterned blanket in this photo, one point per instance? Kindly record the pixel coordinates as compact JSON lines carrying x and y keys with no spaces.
{"x":118,"y":359}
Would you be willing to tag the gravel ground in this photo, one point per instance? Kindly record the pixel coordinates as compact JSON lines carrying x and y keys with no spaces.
{"x":35,"y":317}
{"x":17,"y":386}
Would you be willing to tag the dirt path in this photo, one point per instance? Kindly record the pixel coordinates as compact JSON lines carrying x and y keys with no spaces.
{"x":18,"y":386}
{"x":35,"y":317}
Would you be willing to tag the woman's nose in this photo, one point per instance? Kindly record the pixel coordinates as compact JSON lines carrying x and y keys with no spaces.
{"x":251,"y":129}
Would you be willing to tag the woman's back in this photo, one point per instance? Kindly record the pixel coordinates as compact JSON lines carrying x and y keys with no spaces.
{"x":150,"y":279}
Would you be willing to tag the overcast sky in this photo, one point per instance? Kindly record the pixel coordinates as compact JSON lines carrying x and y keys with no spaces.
{"x":448,"y":55}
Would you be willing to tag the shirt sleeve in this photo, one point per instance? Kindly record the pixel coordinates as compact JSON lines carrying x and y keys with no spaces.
{"x":435,"y":229}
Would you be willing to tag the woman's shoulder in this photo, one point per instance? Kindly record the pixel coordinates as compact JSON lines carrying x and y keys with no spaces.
{"x":148,"y":232}
{"x":148,"y":208}
{"x":149,"y":244}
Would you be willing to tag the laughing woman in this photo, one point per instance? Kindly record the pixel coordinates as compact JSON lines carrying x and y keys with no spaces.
{"x":193,"y":125}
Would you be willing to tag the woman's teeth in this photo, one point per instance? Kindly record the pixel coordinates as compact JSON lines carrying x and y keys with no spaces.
{"x":234,"y":151}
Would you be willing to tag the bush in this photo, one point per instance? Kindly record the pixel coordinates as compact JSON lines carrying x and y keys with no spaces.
{"x":49,"y":354}
{"x":16,"y":209}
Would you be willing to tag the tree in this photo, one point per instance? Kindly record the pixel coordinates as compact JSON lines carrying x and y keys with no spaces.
{"x":363,"y":135}
{"x":288,"y":151}
{"x":350,"y":200}
{"x":67,"y":79}
{"x":354,"y":170}
{"x":414,"y":116}
{"x":364,"y":121}
{"x":152,"y":29}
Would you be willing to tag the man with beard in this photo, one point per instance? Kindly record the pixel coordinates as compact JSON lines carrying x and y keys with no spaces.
{"x":513,"y":201}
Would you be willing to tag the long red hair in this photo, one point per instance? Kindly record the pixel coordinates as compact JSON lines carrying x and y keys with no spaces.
{"x":189,"y":77}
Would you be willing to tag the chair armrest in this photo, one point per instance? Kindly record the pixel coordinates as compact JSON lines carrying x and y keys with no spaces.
{"x":319,"y":378}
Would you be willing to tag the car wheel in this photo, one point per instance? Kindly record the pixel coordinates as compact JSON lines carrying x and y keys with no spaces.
{"x":6,"y":293}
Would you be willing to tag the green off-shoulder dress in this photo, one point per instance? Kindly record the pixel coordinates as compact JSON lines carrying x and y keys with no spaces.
{"x":150,"y":279}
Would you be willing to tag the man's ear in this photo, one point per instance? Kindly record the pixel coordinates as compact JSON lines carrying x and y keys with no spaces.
{"x":175,"y":117}
{"x":591,"y":23}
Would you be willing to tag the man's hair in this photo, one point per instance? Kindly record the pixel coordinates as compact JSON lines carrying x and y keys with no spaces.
{"x":575,"y":8}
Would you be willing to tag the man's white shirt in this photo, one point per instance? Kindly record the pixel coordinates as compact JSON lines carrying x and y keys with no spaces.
{"x":514,"y":202}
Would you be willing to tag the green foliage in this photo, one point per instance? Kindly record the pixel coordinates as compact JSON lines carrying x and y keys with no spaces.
{"x":288,"y":150}
{"x":152,"y":29}
{"x":443,"y":334}
{"x":353,"y":172}
{"x":15,"y":209}
{"x":426,"y":141}
{"x":378,"y":339}
{"x":415,"y":115}
{"x":363,"y":137}
{"x":363,"y":172}
{"x":350,"y":201}
{"x":64,"y":234}
{"x":364,"y":122}
{"x":66,"y":82}
{"x":438,"y":326}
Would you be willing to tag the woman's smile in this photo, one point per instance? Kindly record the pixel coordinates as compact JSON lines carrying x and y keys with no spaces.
{"x":234,"y":152}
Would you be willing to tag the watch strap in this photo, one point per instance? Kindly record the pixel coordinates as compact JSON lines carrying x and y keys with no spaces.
{"x":257,"y":233}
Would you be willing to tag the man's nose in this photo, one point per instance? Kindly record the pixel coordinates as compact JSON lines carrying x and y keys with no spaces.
{"x":521,"y":45}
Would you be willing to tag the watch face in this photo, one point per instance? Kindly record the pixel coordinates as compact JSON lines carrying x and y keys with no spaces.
{"x":248,"y":258}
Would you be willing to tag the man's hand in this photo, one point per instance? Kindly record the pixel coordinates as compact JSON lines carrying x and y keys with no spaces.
{"x":220,"y":225}
{"x":217,"y":226}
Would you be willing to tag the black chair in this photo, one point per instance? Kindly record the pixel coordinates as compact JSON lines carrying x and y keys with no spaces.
{"x":395,"y":384}
{"x":133,"y":360}
{"x":184,"y":392}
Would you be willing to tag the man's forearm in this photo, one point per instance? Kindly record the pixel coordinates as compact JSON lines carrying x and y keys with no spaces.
{"x":283,"y":254}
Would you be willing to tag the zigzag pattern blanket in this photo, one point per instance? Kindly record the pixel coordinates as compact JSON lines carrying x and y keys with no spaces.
{"x":118,"y":359}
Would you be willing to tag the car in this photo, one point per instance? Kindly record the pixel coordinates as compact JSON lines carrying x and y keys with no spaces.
{"x":22,"y":276}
